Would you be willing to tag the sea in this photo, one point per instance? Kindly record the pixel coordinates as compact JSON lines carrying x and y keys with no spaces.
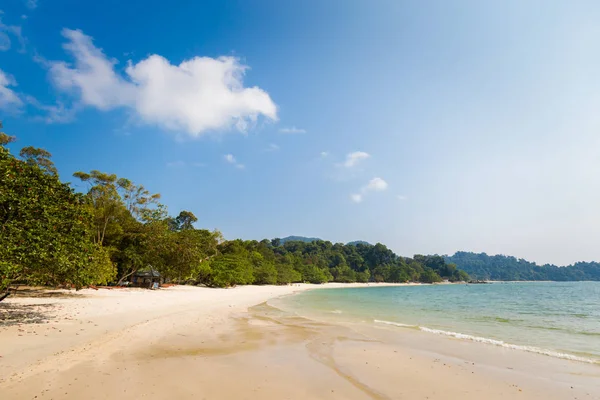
{"x":557,"y":319}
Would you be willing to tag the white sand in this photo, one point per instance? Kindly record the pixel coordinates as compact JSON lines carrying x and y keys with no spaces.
{"x":88,"y":315}
{"x":188,"y":342}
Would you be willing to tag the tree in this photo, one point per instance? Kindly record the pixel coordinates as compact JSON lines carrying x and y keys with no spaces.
{"x":186,"y":249}
{"x":45,"y":229}
{"x":140,"y":202}
{"x":314,"y":274}
{"x":39,"y":157}
{"x":105,"y":200}
{"x":506,"y":268}
{"x":185,"y":220}
{"x":5,"y":139}
{"x":285,"y":270}
{"x":230,"y":270}
{"x":363,"y":276}
{"x":265,"y":272}
{"x":429,"y":276}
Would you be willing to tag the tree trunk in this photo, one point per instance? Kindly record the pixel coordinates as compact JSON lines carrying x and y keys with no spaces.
{"x":127,"y":276}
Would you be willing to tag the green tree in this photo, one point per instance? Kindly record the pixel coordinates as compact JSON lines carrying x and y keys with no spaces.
{"x":285,"y":270}
{"x":230,"y":270}
{"x":265,"y":272}
{"x":39,"y":157}
{"x":45,"y":229}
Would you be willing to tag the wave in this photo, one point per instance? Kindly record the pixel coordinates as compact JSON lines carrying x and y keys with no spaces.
{"x":378,"y":321}
{"x":495,"y":342}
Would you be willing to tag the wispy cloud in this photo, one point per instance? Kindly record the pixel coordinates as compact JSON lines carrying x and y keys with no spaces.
{"x":231,"y":160}
{"x":357,"y":197}
{"x":272,"y":147}
{"x":401,"y":197}
{"x":199,"y":95}
{"x":31,"y":4}
{"x":292,"y":130}
{"x":52,"y":114}
{"x":4,"y":42}
{"x":324,"y":154}
{"x":352,"y":159}
{"x":9,"y":99}
{"x":374,"y":185}
{"x":6,"y":31}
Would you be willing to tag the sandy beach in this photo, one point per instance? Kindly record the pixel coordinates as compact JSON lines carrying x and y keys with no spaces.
{"x":188,"y":342}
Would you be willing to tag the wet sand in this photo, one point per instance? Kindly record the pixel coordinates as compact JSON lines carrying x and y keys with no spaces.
{"x":231,"y":344}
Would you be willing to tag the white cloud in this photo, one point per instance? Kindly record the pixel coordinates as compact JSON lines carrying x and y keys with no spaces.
{"x":23,"y":16}
{"x":401,"y":197}
{"x":324,"y":154}
{"x":272,"y":147}
{"x":374,"y":185}
{"x":31,"y":4}
{"x":292,"y":130}
{"x":199,"y":95}
{"x":8,"y":98}
{"x":357,"y":198}
{"x":354,"y":158}
{"x":5,"y":42}
{"x":52,"y":114}
{"x":231,"y":160}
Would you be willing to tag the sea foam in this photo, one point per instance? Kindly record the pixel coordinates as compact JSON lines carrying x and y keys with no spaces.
{"x":495,"y":342}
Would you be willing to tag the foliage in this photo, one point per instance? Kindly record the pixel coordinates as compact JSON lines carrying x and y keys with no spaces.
{"x":297,"y":239}
{"x":45,"y":228}
{"x":319,"y":262}
{"x":506,"y":268}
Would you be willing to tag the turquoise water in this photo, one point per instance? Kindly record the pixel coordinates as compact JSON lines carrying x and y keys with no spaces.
{"x":553,"y":318}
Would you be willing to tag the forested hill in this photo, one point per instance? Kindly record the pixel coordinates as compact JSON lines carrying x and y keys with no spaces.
{"x":507,"y":268}
{"x":313,"y":239}
{"x":357,"y":242}
{"x":297,"y":239}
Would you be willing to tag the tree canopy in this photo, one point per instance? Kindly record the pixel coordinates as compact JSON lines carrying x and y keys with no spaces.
{"x":507,"y":268}
{"x":45,"y":227}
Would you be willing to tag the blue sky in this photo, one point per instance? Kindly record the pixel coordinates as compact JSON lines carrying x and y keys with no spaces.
{"x":430,"y":126}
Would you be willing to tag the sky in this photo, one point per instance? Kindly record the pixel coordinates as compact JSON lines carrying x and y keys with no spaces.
{"x":429,"y":126}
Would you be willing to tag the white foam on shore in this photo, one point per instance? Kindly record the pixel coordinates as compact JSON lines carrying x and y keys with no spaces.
{"x":378,"y":321}
{"x":494,"y":342}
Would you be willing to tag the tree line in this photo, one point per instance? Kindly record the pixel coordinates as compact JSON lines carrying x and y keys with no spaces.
{"x":507,"y":268}
{"x":51,"y":234}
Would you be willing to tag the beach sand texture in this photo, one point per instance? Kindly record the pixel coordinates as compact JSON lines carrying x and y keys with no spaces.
{"x":197,"y":343}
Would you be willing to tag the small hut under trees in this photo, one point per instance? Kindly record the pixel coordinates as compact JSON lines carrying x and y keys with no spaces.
{"x":149,"y":279}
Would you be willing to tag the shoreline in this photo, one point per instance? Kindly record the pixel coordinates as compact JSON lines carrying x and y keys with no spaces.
{"x":183,"y":331}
